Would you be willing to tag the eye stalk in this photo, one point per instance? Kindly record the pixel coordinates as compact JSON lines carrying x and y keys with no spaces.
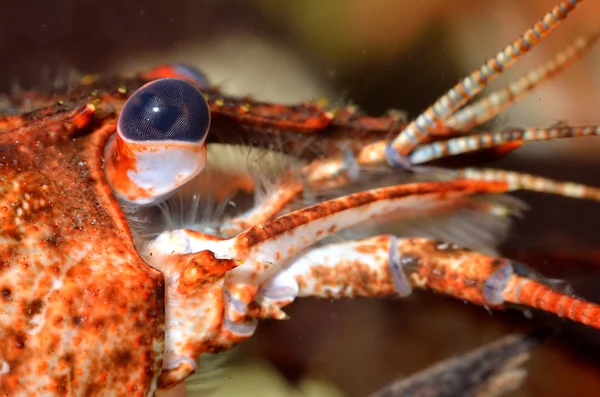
{"x":160,"y":141}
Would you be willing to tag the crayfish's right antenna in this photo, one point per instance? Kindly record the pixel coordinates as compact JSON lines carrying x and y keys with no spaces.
{"x":419,"y":129}
{"x":486,"y":140}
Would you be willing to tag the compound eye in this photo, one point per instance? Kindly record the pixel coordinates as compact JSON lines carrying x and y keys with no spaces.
{"x":191,"y":74}
{"x":165,"y":110}
{"x":160,"y":141}
{"x":180,"y":71}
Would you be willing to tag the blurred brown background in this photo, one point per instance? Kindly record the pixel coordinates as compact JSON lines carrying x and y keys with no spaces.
{"x":379,"y":54}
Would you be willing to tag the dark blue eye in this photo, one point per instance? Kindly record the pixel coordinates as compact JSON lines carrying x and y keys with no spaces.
{"x":165,"y":110}
{"x":179,"y":71}
{"x":190,"y":73}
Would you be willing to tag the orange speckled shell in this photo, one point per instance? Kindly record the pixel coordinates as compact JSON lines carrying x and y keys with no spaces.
{"x":81,"y":314}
